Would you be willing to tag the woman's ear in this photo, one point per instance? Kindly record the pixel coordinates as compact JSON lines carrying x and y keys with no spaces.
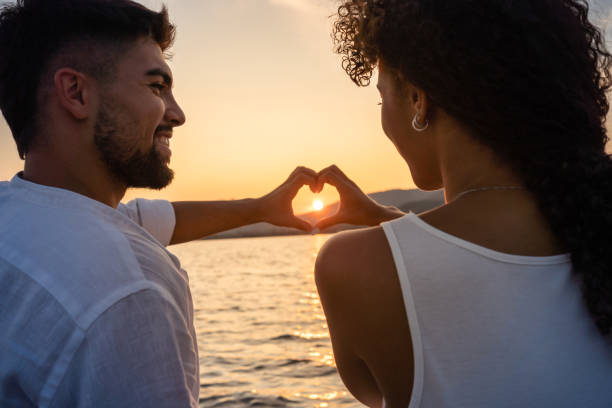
{"x":73,"y":90}
{"x":420,"y":104}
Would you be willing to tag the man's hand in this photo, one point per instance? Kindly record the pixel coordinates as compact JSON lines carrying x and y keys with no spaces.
{"x":276,"y":207}
{"x":355,"y":206}
{"x":197,"y":219}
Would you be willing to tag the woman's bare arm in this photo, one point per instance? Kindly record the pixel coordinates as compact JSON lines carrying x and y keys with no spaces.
{"x":363,"y":304}
{"x":334,"y":275}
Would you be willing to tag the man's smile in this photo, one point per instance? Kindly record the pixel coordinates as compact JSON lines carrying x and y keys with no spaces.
{"x":162,"y":143}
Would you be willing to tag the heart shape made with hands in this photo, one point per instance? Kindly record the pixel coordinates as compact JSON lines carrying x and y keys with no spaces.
{"x":349,"y":204}
{"x":354,"y":206}
{"x":303,"y":203}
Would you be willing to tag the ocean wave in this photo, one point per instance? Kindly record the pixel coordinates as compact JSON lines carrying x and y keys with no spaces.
{"x":293,"y":361}
{"x":298,"y":336}
{"x":224,"y":384}
{"x":260,"y":328}
{"x":286,"y":337}
{"x":273,"y":365}
{"x":312,"y":372}
{"x":246,"y":399}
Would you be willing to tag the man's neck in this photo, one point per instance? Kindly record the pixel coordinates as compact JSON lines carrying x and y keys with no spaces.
{"x":92,"y":180}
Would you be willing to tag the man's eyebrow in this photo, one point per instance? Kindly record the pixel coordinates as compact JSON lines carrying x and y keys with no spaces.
{"x":162,"y":73}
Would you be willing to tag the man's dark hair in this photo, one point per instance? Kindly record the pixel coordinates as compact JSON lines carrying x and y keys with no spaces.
{"x":86,"y":35}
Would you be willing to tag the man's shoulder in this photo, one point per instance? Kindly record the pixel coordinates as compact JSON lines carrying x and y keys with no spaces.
{"x":40,"y":227}
{"x":76,"y":256}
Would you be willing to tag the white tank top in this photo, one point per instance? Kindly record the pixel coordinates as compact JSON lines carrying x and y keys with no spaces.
{"x":490,"y":329}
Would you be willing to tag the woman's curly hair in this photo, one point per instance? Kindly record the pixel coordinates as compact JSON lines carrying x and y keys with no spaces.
{"x":530,"y":79}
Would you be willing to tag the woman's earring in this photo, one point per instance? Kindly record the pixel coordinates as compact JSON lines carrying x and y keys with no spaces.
{"x":417,"y":126}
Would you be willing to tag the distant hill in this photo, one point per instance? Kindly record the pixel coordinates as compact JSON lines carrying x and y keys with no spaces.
{"x":407,"y":200}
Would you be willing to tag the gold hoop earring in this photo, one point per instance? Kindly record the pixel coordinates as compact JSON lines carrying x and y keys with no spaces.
{"x":417,"y":126}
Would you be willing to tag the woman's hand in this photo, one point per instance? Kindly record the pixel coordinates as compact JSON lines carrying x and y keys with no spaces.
{"x":276,"y":207}
{"x":355,"y":206}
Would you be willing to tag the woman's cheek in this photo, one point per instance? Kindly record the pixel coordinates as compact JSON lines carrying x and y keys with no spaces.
{"x":384,"y":121}
{"x":390,"y":123}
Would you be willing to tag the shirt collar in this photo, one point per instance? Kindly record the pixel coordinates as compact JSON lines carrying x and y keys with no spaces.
{"x":58,"y":197}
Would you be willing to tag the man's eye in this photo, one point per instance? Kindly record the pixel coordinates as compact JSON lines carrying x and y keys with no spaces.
{"x":158,"y":87}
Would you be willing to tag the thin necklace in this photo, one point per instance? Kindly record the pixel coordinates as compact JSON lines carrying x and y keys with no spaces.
{"x":485,"y":189}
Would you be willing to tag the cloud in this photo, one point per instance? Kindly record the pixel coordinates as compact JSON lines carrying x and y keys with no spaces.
{"x":601,"y":11}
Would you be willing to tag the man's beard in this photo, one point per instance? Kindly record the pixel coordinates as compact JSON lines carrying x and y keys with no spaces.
{"x":140,"y":169}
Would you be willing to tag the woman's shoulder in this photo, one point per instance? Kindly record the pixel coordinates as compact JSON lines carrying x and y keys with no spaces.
{"x":357,"y":269}
{"x":365,"y":239}
{"x":354,"y":252}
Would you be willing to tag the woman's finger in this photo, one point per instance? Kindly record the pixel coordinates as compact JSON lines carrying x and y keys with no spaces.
{"x":343,"y":184}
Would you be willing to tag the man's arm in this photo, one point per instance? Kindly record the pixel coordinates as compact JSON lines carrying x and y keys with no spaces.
{"x":137,"y":353}
{"x":197,"y":219}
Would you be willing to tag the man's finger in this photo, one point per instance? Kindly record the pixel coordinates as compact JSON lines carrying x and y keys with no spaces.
{"x":318,"y":187}
{"x":328,"y":222}
{"x":302,"y":170}
{"x":300,"y":180}
{"x":301,"y":224}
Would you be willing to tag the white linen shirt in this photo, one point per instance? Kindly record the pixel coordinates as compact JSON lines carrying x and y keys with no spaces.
{"x":94,"y":311}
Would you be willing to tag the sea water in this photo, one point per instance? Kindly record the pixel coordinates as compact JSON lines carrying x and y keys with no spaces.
{"x":262,"y":336}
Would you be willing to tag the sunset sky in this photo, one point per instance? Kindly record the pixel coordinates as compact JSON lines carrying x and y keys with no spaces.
{"x":263,"y":93}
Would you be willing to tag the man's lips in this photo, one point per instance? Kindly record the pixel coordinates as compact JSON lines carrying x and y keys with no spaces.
{"x":164,"y":129}
{"x":164,"y":137}
{"x":162,"y":141}
{"x":163,"y":133}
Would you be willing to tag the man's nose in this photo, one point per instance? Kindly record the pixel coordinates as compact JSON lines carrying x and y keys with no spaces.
{"x":174,"y":113}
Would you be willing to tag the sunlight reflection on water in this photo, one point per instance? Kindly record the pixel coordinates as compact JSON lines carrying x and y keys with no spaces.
{"x":262,"y":335}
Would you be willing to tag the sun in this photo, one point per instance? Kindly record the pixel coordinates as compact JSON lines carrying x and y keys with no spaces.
{"x":317,"y":205}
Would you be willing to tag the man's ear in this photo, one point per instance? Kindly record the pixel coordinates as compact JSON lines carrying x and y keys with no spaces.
{"x":73,"y":90}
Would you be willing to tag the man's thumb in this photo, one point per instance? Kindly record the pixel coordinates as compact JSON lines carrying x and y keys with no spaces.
{"x":327,"y":222}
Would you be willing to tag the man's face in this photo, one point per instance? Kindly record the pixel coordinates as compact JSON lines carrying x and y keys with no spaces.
{"x":136,"y":116}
